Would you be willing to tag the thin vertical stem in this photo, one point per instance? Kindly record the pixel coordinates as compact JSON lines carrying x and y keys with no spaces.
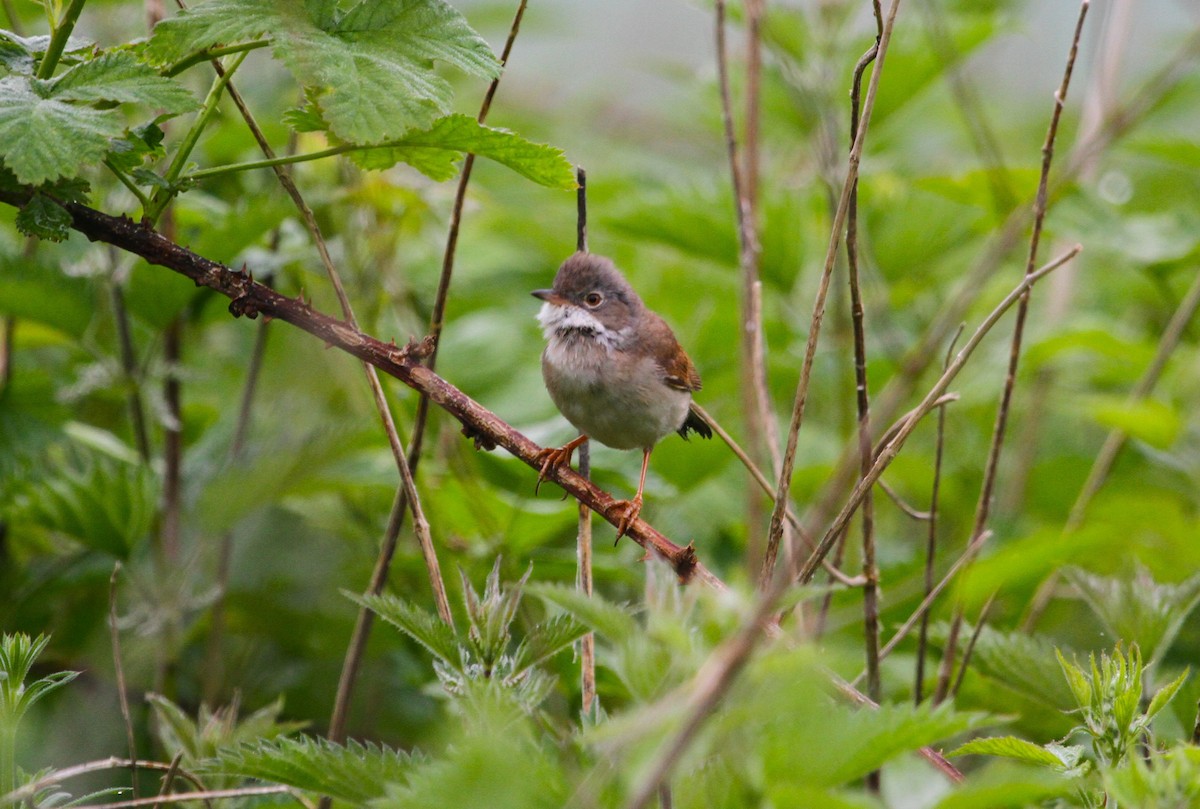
{"x":744,"y":173}
{"x":129,"y":367}
{"x":172,"y":441}
{"x":862,"y":401}
{"x":119,"y":670}
{"x":583,"y":578}
{"x":775,"y":530}
{"x":58,"y":39}
{"x":931,"y":537}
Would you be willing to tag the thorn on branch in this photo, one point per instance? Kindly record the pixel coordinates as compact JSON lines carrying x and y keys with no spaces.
{"x":242,"y":305}
{"x":482,"y":441}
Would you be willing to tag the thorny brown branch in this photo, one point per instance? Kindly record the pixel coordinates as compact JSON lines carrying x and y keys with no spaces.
{"x":251,"y":299}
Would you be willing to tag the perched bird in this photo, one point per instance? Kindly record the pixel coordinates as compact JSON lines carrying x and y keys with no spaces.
{"x":613,"y":368}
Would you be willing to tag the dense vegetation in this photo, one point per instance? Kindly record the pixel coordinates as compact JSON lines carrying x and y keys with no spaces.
{"x":202,"y":513}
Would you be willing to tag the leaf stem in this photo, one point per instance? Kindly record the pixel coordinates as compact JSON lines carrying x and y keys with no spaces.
{"x":128,"y":183}
{"x":161,"y":199}
{"x":58,"y":41}
{"x":281,"y":160}
{"x":213,"y":53}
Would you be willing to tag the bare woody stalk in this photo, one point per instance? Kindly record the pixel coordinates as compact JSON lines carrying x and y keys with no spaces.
{"x":775,"y":530}
{"x":987,"y":489}
{"x":744,"y":172}
{"x":119,"y":669}
{"x":719,"y":672}
{"x":583,"y":544}
{"x":863,"y":401}
{"x":931,"y":543}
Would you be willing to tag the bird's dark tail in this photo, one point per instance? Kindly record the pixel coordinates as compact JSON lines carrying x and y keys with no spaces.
{"x":695,"y":423}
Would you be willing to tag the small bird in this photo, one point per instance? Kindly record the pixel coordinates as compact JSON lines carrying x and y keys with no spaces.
{"x":613,"y":368}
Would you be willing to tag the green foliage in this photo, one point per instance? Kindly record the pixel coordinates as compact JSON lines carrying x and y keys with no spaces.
{"x":1138,"y":609}
{"x":215,"y":732}
{"x":369,"y":66}
{"x":18,"y":652}
{"x":483,"y":655}
{"x":1169,"y":780}
{"x":54,"y":128}
{"x":353,"y":773}
{"x":434,"y":151}
{"x":104,"y":503}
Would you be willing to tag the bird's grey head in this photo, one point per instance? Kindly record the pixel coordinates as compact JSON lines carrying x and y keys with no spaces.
{"x":589,"y":295}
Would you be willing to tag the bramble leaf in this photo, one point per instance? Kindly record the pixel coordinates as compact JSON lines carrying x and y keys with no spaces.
{"x":120,"y":77}
{"x":43,"y":138}
{"x":44,"y":218}
{"x":369,"y":69}
{"x":435,"y":150}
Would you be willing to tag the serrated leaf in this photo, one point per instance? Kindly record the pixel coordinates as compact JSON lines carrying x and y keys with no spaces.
{"x":44,"y":218}
{"x":1007,"y":787}
{"x":1165,"y":694}
{"x":119,"y":77}
{"x":1078,"y":681}
{"x":1139,"y":608}
{"x":434,"y":152}
{"x":547,"y":639}
{"x":354,"y":772}
{"x":45,"y":138}
{"x":1155,"y":422}
{"x":370,"y":69}
{"x":1009,"y":747}
{"x":612,"y":621}
{"x":305,"y":119}
{"x":854,"y":742}
{"x":419,"y":625}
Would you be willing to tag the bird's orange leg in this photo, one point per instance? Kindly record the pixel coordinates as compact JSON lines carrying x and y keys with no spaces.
{"x":554,"y":457}
{"x":632,"y":508}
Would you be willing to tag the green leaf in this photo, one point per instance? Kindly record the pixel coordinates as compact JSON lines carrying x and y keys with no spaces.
{"x":547,"y":639}
{"x":369,"y":69}
{"x":33,"y":290}
{"x":613,"y":621}
{"x":419,"y":625}
{"x":44,"y":218}
{"x":354,"y":772}
{"x":1165,"y":694}
{"x":1002,"y":787}
{"x":1149,"y":420}
{"x":43,"y":138}
{"x":435,"y":151}
{"x":1138,"y":608}
{"x":1009,"y":747}
{"x":1077,"y":679}
{"x":119,"y":77}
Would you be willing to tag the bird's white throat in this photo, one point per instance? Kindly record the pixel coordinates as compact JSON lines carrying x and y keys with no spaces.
{"x":559,"y":322}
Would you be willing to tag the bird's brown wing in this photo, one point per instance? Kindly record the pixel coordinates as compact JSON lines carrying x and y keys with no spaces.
{"x":677,"y":368}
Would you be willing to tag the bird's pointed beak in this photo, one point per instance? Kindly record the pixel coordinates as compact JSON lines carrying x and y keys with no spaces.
{"x":549,"y":296}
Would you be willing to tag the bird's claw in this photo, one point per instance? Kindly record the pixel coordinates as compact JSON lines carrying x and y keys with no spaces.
{"x":551,"y":458}
{"x":630,"y":509}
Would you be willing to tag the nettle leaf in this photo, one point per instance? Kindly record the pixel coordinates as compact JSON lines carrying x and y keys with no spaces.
{"x":1010,"y":747}
{"x":419,"y":625}
{"x":45,"y":138}
{"x":120,"y":77}
{"x":355,"y":773}
{"x":369,"y":69}
{"x":44,"y":218}
{"x":435,"y":151}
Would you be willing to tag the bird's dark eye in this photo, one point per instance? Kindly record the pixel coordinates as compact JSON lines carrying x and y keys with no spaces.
{"x":593,"y":299}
